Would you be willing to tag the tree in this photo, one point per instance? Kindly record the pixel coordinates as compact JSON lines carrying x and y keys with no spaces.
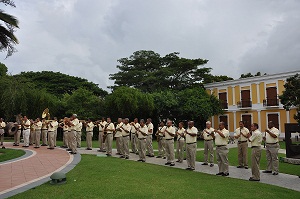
{"x":246,"y":75}
{"x":291,"y":95}
{"x":3,"y":69}
{"x":7,"y":28}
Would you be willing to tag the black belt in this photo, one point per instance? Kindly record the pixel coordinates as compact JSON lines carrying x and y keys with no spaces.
{"x":255,"y":146}
{"x":241,"y":142}
{"x":220,"y":145}
{"x":170,"y":139}
{"x":208,"y":140}
{"x":125,"y":135}
{"x":108,"y":133}
{"x":87,"y":131}
{"x":192,"y":143}
{"x":272,"y":143}
{"x":142,"y":138}
{"x":50,"y":131}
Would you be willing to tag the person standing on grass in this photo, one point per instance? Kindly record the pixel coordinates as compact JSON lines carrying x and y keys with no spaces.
{"x":208,"y":144}
{"x":125,"y":134}
{"x":221,"y":140}
{"x":109,"y":129}
{"x":142,"y":132}
{"x":161,"y":141}
{"x":150,"y":126}
{"x":89,"y":134}
{"x":255,"y":138}
{"x":134,"y":136}
{"x":272,"y":147}
{"x":118,"y":136}
{"x":78,"y":134}
{"x":2,"y":126}
{"x":44,"y":132}
{"x":38,"y":128}
{"x":26,"y":131}
{"x":55,"y":130}
{"x":101,"y":125}
{"x":180,"y":142}
{"x":169,"y":134}
{"x":191,"y":145}
{"x":242,"y":134}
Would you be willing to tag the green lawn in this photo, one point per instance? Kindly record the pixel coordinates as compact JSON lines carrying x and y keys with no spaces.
{"x":101,"y":177}
{"x":8,"y":154}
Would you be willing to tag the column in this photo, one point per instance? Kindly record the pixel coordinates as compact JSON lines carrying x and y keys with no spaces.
{"x":233,"y":95}
{"x":259,"y":120}
{"x":212,"y":121}
{"x":234,"y":120}
{"x":287,"y":116}
{"x":258,"y":93}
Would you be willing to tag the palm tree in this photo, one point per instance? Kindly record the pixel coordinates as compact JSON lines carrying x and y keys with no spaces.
{"x":7,"y":28}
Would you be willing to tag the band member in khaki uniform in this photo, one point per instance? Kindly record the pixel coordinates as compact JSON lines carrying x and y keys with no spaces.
{"x":72,"y":134}
{"x":142,"y":135}
{"x":208,"y":144}
{"x":133,"y":137}
{"x":26,"y":131}
{"x":55,"y":130}
{"x":125,"y":142}
{"x":89,"y":134}
{"x":17,"y":135}
{"x":255,"y":138}
{"x":44,"y":132}
{"x":66,"y":130}
{"x":135,"y":126}
{"x":78,"y":134}
{"x":2,"y":126}
{"x":118,"y":136}
{"x":161,"y":141}
{"x":149,"y":145}
{"x":109,"y":129}
{"x":191,"y":145}
{"x":169,"y":134}
{"x":242,"y":134}
{"x":101,"y":126}
{"x":32,"y":133}
{"x":221,"y":140}
{"x":272,"y":147}
{"x":38,"y":128}
{"x":51,"y":128}
{"x":180,"y":142}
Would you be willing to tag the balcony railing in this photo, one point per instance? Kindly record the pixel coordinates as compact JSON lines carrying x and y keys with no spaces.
{"x":224,"y":105}
{"x":244,"y":104}
{"x":271,"y":102}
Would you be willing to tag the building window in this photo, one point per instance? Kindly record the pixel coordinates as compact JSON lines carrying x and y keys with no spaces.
{"x":245,"y":99}
{"x":272,"y":97}
{"x":223,"y":99}
{"x":247,"y":119}
{"x":274,"y":117}
{"x":224,"y":118}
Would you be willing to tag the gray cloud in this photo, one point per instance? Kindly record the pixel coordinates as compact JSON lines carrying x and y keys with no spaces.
{"x":86,"y":37}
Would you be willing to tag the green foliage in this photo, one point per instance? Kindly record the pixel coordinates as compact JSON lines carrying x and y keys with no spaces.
{"x":3,"y":69}
{"x":290,"y":96}
{"x":9,"y":154}
{"x":166,"y":104}
{"x":246,"y":75}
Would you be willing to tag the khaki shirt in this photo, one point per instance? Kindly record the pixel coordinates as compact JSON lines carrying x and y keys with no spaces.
{"x":79,"y":127}
{"x":110,"y":128}
{"x":89,"y":127}
{"x":2,"y":125}
{"x":190,"y":139}
{"x":270,"y":139}
{"x":144,"y":130}
{"x":256,"y":138}
{"x":133,"y":130}
{"x":207,"y":136}
{"x":171,"y":130}
{"x":38,"y":125}
{"x":103,"y":124}
{"x":220,"y":140}
{"x":126,"y":127}
{"x":150,"y":127}
{"x":75,"y":122}
{"x":162,"y":130}
{"x":55,"y":125}
{"x":66,"y":127}
{"x":244,"y":131}
{"x":179,"y":137}
{"x":118,"y":132}
{"x":51,"y":126}
{"x":44,"y":126}
{"x":27,"y":123}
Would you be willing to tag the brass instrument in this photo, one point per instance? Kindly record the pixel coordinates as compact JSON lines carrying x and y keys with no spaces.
{"x":45,"y":114}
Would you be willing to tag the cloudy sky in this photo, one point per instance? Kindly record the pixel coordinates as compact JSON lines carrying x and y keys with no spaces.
{"x":85,"y":38}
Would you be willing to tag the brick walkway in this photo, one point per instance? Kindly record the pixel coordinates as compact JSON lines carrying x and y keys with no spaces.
{"x":39,"y":164}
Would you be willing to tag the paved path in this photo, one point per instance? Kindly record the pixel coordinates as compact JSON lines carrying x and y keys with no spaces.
{"x":32,"y":169}
{"x":282,"y":180}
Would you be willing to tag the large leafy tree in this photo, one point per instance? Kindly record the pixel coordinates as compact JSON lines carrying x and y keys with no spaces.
{"x":8,"y":25}
{"x":291,"y":95}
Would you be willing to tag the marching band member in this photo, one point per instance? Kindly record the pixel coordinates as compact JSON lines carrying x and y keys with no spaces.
{"x":169,"y":134}
{"x":26,"y":131}
{"x":134,"y":140}
{"x":149,"y":124}
{"x":101,"y":126}
{"x":161,"y":141}
{"x":2,"y":126}
{"x":255,"y":138}
{"x":66,"y":130}
{"x":38,"y":127}
{"x":241,"y":134}
{"x":125,"y":138}
{"x":78,"y":134}
{"x":208,"y":144}
{"x":72,"y":134}
{"x":55,"y":130}
{"x":142,"y":134}
{"x":44,"y":132}
{"x":118,"y":136}
{"x":108,"y":132}
{"x":17,"y":135}
{"x":221,"y":140}
{"x":32,"y":133}
{"x":180,"y":142}
{"x":191,"y":145}
{"x":89,"y":134}
{"x":51,"y":128}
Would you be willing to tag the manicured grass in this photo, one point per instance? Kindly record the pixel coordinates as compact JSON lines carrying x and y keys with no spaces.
{"x":101,"y":177}
{"x":8,"y":154}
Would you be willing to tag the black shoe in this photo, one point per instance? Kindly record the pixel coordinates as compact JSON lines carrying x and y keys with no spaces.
{"x":158,"y":156}
{"x":127,"y":158}
{"x":89,"y":149}
{"x":68,"y":149}
{"x":168,"y":163}
{"x":246,"y":167}
{"x":211,"y":165}
{"x":136,"y":153}
{"x":100,"y":151}
{"x":14,"y":145}
{"x":17,"y":145}
{"x":225,"y":174}
{"x":132,"y":152}
{"x":140,"y":160}
{"x":108,"y":155}
{"x":44,"y":145}
{"x":26,"y":146}
{"x":267,"y":171}
{"x":122,"y":156}
{"x":188,"y":168}
{"x":164,"y":157}
{"x":275,"y":173}
{"x":172,"y":164}
{"x":48,"y":148}
{"x":151,"y":156}
{"x":143,"y":160}
{"x":239,"y":167}
{"x":53,"y":149}
{"x":204,"y":163}
{"x":148,"y":155}
{"x":177,"y":160}
{"x":36,"y":147}
{"x":252,"y":179}
{"x":220,"y":174}
{"x":192,"y":169}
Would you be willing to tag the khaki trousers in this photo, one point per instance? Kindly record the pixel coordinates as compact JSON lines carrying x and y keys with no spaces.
{"x":100,"y":139}
{"x":161,"y":147}
{"x":26,"y":134}
{"x":119,"y":145}
{"x":137,"y":144}
{"x":32,"y":137}
{"x":191,"y":150}
{"x":51,"y":139}
{"x":170,"y":150}
{"x":108,"y":143}
{"x":208,"y":149}
{"x":255,"y":160}
{"x":17,"y":136}
{"x":66,"y":139}
{"x":125,"y":145}
{"x":243,"y":154}
{"x":133,"y":142}
{"x":44,"y":136}
{"x":142,"y":148}
{"x":179,"y":149}
{"x":1,"y":136}
{"x":73,"y":141}
{"x":222,"y":158}
{"x":149,"y":145}
{"x":89,"y":138}
{"x":78,"y":138}
{"x":272,"y":157}
{"x":37,"y":140}
{"x":55,"y":137}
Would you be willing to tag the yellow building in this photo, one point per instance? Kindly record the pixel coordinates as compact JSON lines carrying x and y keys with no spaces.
{"x":253,"y":99}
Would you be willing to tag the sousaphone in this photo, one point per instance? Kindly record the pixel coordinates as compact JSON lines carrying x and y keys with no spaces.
{"x":11,"y":128}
